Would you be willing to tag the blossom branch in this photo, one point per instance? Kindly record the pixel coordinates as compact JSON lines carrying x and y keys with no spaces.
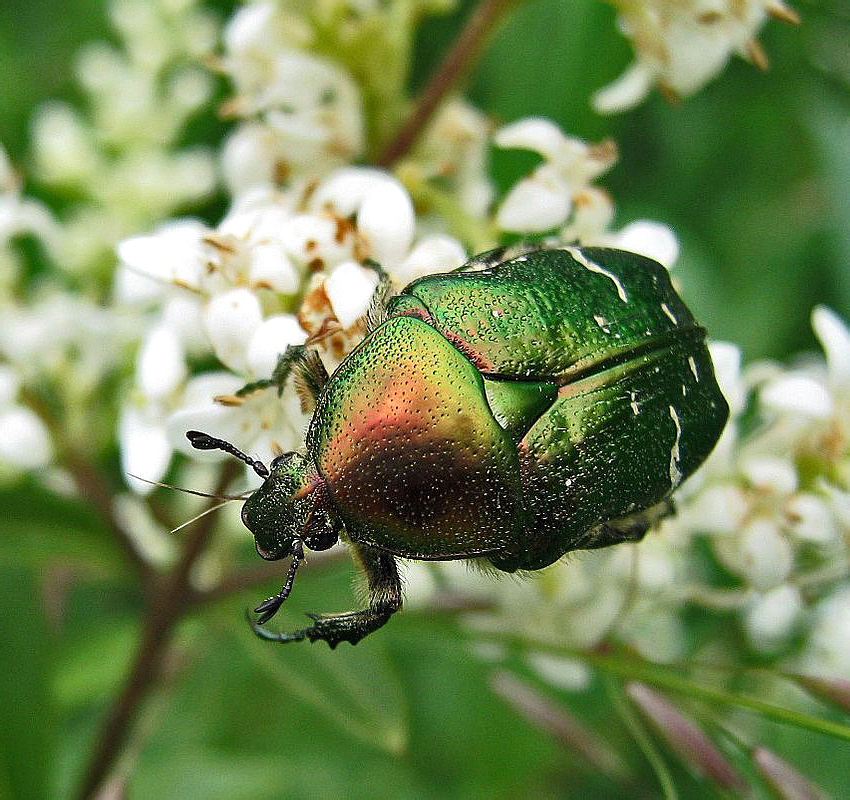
{"x":167,"y":606}
{"x":466,"y":48}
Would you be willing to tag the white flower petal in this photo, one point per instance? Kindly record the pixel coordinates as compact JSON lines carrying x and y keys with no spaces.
{"x":249,"y":157}
{"x":563,"y":673}
{"x":626,"y":91}
{"x":766,"y":556}
{"x":230,"y":320}
{"x":770,"y":473}
{"x":796,"y":393}
{"x":651,"y":239}
{"x":174,"y":254}
{"x":771,"y":619}
{"x":345,"y":189}
{"x":270,"y":341}
{"x":24,"y":439}
{"x":811,"y":519}
{"x":834,"y":337}
{"x":718,"y":510}
{"x":201,"y":412}
{"x":535,"y":204}
{"x":532,"y":133}
{"x":132,"y":286}
{"x":438,"y":253}
{"x":182,"y":313}
{"x":307,"y":237}
{"x":386,"y":219}
{"x":726,"y":358}
{"x":271,"y":267}
{"x":349,"y":289}
{"x":161,"y":363}
{"x":145,"y":450}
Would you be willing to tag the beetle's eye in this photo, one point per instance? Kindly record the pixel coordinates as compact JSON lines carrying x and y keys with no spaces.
{"x":265,"y":554}
{"x":278,"y":460}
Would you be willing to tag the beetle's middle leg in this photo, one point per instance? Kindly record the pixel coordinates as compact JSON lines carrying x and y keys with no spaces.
{"x":631,"y":528}
{"x":384,"y":600}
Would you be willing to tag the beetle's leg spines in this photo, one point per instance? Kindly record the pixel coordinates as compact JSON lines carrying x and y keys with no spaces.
{"x":377,"y":314}
{"x":384,"y":600}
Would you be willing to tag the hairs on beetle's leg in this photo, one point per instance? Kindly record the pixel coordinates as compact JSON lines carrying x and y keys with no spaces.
{"x":384,"y":600}
{"x":377,"y":313}
{"x":307,"y":369}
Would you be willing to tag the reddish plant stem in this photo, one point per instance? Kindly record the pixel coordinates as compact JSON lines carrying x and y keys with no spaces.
{"x":167,"y":606}
{"x":466,"y":48}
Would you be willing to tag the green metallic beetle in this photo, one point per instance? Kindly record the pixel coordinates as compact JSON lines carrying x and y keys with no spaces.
{"x":535,"y":401}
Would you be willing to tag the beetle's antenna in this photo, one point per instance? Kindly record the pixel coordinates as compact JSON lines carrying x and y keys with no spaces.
{"x":203,"y":441}
{"x":203,"y":514}
{"x":243,"y":496}
{"x":268,"y":608}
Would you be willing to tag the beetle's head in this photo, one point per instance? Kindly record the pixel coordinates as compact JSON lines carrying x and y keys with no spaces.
{"x":287,"y":512}
{"x":287,"y":508}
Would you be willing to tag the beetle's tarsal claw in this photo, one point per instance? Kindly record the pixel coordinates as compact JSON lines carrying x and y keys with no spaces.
{"x":274,"y":636}
{"x":268,"y":608}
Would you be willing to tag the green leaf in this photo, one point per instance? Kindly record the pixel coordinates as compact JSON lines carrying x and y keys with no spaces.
{"x":37,"y":526}
{"x":27,"y":731}
{"x":353,"y":688}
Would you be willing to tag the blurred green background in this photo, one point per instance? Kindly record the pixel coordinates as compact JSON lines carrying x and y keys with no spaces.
{"x":753,"y":174}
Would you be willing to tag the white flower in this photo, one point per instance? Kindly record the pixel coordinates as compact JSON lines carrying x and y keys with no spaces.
{"x":681,"y":45}
{"x":305,"y":111}
{"x":770,"y":620}
{"x":827,"y":651}
{"x":648,"y":238}
{"x":145,"y":449}
{"x":438,"y":253}
{"x":230,"y":320}
{"x":544,"y":200}
{"x":349,"y":289}
{"x":270,"y":341}
{"x":24,"y":439}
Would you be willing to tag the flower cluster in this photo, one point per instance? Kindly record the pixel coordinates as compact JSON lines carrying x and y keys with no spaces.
{"x":121,"y":159}
{"x":681,"y":46}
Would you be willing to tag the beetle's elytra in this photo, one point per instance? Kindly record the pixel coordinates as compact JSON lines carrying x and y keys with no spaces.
{"x":535,"y":401}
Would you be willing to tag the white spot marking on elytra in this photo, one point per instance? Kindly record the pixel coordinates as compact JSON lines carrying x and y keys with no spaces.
{"x":670,"y":315}
{"x":602,"y":323}
{"x":675,"y":472}
{"x":582,"y":259}
{"x":633,"y":404}
{"x":693,"y":365}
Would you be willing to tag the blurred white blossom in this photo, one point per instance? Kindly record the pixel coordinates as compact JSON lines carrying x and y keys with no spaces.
{"x":682,"y":45}
{"x":120,"y":159}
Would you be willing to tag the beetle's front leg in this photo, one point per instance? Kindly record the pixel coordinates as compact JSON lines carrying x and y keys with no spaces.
{"x":352,"y":626}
